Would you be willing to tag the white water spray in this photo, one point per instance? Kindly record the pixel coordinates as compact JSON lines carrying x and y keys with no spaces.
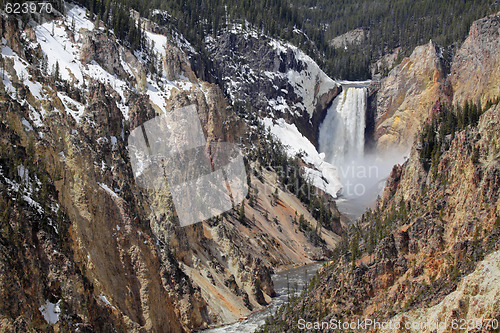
{"x":342,"y":139}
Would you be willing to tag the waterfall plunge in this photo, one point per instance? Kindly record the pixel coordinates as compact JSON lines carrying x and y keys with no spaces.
{"x":342,"y":133}
{"x":342,"y":139}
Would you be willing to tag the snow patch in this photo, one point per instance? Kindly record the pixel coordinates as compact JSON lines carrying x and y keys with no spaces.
{"x":71,"y":106}
{"x":306,"y":81}
{"x":50,"y":311}
{"x":107,"y":189}
{"x":105,"y":300}
{"x":159,"y":42}
{"x":324,"y":175}
{"x":27,"y":124}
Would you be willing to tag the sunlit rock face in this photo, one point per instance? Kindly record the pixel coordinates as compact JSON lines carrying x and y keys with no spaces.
{"x":406,"y":97}
{"x":475,"y":72}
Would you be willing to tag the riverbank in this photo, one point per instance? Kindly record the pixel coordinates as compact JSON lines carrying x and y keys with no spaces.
{"x":285,"y":283}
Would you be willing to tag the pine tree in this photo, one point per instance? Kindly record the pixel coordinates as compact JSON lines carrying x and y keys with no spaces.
{"x":44,"y":63}
{"x":302,"y":222}
{"x":56,"y":71}
{"x":275,"y":197}
{"x":241,"y":213}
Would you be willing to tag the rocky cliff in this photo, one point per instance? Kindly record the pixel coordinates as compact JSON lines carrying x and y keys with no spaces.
{"x":419,"y":251}
{"x":353,"y":37}
{"x":426,"y":253}
{"x":405,"y":97}
{"x":475,"y":73}
{"x":275,"y":78}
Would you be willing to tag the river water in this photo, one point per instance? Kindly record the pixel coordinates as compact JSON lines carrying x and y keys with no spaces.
{"x":297,"y":277}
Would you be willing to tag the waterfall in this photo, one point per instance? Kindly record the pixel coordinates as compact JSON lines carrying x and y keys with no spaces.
{"x":342,"y":140}
{"x":342,"y":133}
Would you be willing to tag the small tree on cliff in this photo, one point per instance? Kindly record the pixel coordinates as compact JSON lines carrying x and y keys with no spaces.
{"x":241,"y":213}
{"x":56,"y":71}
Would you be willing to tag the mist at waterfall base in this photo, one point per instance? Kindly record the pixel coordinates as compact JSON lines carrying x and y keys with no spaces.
{"x":363,"y":180}
{"x":342,"y":140}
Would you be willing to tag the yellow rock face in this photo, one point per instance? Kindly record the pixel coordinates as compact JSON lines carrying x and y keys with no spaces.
{"x":406,"y":97}
{"x":475,"y":73}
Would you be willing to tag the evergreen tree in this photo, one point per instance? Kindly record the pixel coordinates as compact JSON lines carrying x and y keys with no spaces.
{"x":241,"y":213}
{"x":56,"y":74}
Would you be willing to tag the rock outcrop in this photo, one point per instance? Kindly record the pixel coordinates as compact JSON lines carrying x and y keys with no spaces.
{"x":475,"y":72}
{"x":406,"y":96}
{"x":86,"y":258}
{"x":98,"y":47}
{"x":275,"y":78}
{"x":475,"y":295}
{"x":353,"y":37}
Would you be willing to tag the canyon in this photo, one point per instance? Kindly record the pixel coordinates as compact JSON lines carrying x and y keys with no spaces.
{"x":84,"y":248}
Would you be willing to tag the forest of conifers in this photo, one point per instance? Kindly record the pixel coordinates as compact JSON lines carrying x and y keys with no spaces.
{"x":401,"y":23}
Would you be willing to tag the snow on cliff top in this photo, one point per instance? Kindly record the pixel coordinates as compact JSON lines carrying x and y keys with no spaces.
{"x":307,"y":79}
{"x":61,"y":49}
{"x":324,"y":175}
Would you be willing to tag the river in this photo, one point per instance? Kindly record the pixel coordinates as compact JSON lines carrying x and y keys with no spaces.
{"x":297,"y":277}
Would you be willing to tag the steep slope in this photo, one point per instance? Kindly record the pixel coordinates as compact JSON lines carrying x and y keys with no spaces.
{"x":273,"y":77}
{"x":476,"y":300}
{"x":76,"y":140}
{"x":404,"y":99}
{"x":475,"y":73}
{"x":427,"y":252}
{"x":274,"y":83}
{"x":71,"y":94}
